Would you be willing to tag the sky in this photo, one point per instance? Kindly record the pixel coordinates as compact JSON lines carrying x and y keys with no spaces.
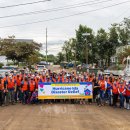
{"x":61,"y":29}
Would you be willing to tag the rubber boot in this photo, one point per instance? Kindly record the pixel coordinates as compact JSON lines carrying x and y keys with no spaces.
{"x":127,"y":106}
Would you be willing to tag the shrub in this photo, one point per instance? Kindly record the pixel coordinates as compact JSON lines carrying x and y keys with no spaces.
{"x":1,"y":64}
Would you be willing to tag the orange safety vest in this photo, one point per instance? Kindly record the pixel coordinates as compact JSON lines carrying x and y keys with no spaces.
{"x":54,"y":80}
{"x":32,"y":86}
{"x":18,"y":81}
{"x":43,"y":79}
{"x":14,"y":77}
{"x":1,"y":87}
{"x":90,"y":79}
{"x":25,"y":86}
{"x":60,"y":79}
{"x":11,"y":84}
{"x":128,"y":91}
{"x":115,"y":88}
{"x":37,"y":81}
{"x":102,"y":84}
{"x":121,"y":87}
{"x":2,"y":84}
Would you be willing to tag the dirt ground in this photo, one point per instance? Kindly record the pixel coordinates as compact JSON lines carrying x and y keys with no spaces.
{"x":63,"y":117}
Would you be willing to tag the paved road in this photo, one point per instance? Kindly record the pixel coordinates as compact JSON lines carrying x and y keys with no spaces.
{"x":63,"y":117}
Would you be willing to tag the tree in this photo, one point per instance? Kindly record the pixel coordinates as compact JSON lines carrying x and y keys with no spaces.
{"x":100,"y":47}
{"x":18,"y":51}
{"x":33,"y":59}
{"x":82,"y":41}
{"x":123,"y":34}
{"x":60,"y":57}
{"x":69,"y":49}
{"x":123,"y":55}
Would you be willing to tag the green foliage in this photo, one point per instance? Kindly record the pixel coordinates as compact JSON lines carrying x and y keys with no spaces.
{"x":123,"y":55}
{"x":60,"y":57}
{"x":1,"y":64}
{"x":99,"y":47}
{"x":82,"y":42}
{"x":10,"y":63}
{"x":50,"y":58}
{"x":20,"y":51}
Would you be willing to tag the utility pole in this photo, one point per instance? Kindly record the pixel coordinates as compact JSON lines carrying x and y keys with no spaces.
{"x":75,"y":53}
{"x":86,"y":46}
{"x":86,"y":49}
{"x":46,"y":44}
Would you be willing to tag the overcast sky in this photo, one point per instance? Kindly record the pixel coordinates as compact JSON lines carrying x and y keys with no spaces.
{"x":62,"y":29}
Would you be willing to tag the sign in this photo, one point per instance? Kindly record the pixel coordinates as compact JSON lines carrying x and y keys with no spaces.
{"x":81,"y":90}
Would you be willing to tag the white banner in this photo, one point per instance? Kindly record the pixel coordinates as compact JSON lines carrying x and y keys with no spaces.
{"x":65,"y":90}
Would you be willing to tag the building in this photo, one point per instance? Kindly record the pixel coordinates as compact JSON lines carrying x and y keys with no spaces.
{"x":121,"y":49}
{"x":20,"y":40}
{"x":127,"y":69}
{"x":24,"y":40}
{"x":3,"y":60}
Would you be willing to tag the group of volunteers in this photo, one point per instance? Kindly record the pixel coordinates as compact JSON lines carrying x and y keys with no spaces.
{"x":23,"y":88}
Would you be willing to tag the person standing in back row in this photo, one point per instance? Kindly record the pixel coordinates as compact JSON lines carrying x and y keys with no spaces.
{"x":102,"y":90}
{"x":25,"y":90}
{"x":1,"y":91}
{"x":115,"y":93}
{"x":128,"y":96}
{"x":11,"y":87}
{"x":121,"y":90}
{"x":18,"y":89}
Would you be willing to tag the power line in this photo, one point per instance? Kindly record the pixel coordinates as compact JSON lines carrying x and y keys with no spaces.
{"x":122,"y":14}
{"x":55,"y":9}
{"x":29,"y":3}
{"x":62,"y":17}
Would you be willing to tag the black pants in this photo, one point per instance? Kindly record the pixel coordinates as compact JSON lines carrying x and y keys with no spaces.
{"x":127,"y":99}
{"x":115,"y":98}
{"x":1,"y":97}
{"x":89,"y":100}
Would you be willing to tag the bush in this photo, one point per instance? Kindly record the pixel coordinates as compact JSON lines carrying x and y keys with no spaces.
{"x":10,"y":63}
{"x":1,"y":64}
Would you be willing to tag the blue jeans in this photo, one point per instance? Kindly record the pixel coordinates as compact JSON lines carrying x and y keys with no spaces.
{"x":121,"y":100}
{"x":109,"y":98}
{"x":102,"y":95}
{"x":25,"y":96}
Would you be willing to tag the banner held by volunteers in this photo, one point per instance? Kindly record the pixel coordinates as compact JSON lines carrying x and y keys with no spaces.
{"x":81,"y":90}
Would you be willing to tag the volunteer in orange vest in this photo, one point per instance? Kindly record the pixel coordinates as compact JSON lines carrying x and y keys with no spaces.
{"x":25,"y":90}
{"x":5,"y":92}
{"x":108,"y":85}
{"x":121,"y":90}
{"x":115,"y":92}
{"x":37,"y":80}
{"x":96,"y":91}
{"x":43,"y":78}
{"x":18,"y":89}
{"x":60,"y":78}
{"x":1,"y":91}
{"x":32,"y":85}
{"x":91,"y":79}
{"x":102,"y":90}
{"x":128,"y":96}
{"x":11,"y":87}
